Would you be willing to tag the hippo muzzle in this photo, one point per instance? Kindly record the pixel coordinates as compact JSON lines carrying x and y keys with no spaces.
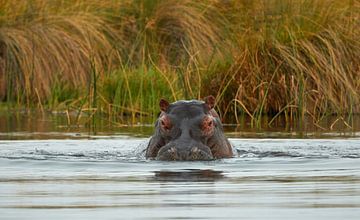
{"x":183,"y":152}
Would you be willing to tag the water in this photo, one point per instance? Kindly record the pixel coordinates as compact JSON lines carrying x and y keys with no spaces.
{"x":49,"y":172}
{"x":110,"y":179}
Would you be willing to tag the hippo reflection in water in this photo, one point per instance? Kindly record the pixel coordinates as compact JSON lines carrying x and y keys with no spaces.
{"x":188,"y":130}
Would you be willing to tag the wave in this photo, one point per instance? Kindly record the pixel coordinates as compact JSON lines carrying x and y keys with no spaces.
{"x":117,"y":150}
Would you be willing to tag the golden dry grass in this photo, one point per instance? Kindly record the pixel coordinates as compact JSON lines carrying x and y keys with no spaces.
{"x":258,"y":57}
{"x":294,"y":57}
{"x":45,"y":41}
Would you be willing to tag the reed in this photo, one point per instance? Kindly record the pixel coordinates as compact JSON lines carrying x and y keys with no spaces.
{"x":274,"y":57}
{"x":44,"y":41}
{"x":294,"y":57}
{"x":134,"y":93}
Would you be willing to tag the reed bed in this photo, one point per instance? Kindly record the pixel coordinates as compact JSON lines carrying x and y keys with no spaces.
{"x":118,"y":58}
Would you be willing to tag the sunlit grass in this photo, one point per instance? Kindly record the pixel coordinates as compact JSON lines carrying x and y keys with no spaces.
{"x":274,"y":57}
{"x":45,"y":41}
{"x":294,"y":57}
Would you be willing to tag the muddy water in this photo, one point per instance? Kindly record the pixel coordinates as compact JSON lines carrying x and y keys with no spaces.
{"x":49,"y":173}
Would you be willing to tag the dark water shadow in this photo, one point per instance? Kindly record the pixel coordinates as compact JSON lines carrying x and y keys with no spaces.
{"x":189,"y":175}
{"x":34,"y":124}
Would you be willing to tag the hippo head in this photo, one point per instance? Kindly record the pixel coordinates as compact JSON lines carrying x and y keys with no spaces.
{"x":188,"y":130}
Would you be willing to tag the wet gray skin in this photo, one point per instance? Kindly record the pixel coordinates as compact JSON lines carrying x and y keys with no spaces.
{"x":188,"y":131}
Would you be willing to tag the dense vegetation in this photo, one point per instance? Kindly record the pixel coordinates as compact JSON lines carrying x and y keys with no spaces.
{"x":263,"y":57}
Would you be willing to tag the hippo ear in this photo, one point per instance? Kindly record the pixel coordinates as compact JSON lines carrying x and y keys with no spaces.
{"x":164,"y":105}
{"x":210,"y":101}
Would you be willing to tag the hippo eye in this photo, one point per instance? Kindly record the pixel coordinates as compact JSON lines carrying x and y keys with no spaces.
{"x":165,"y":123}
{"x":207,"y":125}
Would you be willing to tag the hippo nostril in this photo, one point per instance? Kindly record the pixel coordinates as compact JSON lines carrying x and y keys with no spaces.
{"x":195,"y":150}
{"x":200,"y":153}
{"x":173,"y":153}
{"x":172,"y":150}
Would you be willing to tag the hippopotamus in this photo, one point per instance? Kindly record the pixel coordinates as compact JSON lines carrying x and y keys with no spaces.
{"x":188,"y":131}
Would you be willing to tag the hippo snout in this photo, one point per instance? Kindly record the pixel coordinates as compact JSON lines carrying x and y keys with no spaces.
{"x":184,"y":153}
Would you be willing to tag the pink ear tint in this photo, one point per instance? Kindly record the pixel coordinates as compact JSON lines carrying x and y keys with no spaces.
{"x":164,"y":105}
{"x":210,"y":101}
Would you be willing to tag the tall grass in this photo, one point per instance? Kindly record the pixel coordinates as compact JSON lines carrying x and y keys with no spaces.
{"x":295,"y":58}
{"x":274,"y":57}
{"x":45,"y":41}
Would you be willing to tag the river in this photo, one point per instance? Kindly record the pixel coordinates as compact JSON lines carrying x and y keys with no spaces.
{"x":59,"y":175}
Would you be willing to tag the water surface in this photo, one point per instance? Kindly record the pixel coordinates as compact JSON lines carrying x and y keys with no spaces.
{"x":110,"y":179}
{"x":52,"y":171}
